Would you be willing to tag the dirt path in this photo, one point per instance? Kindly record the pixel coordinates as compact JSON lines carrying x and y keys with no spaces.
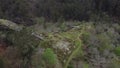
{"x":75,"y":51}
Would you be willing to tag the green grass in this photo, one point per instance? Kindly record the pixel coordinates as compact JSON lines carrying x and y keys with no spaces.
{"x":49,"y":56}
{"x":117,"y":51}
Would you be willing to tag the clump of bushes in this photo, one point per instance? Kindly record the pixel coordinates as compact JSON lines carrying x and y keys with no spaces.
{"x":49,"y":57}
{"x":117,"y":51}
{"x":25,"y":43}
{"x":1,"y":63}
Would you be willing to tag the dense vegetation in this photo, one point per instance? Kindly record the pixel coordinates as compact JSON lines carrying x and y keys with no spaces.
{"x":23,"y":10}
{"x":59,"y":34}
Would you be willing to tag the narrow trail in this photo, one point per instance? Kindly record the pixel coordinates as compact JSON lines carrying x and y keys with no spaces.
{"x":75,"y":51}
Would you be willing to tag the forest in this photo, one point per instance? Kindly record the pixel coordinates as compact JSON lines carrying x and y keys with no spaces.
{"x":59,"y":33}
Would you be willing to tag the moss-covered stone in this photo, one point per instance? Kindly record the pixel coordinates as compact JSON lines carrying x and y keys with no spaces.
{"x":10,"y":25}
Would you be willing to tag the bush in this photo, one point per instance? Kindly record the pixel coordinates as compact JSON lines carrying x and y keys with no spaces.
{"x":49,"y":56}
{"x":25,"y":44}
{"x":117,"y":51}
{"x":40,"y":20}
{"x":1,"y":63}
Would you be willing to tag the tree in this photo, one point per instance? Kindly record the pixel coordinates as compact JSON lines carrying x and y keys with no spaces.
{"x":25,"y":43}
{"x":14,"y":9}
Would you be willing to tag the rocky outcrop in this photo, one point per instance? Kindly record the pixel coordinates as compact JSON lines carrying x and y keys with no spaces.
{"x":6,"y":24}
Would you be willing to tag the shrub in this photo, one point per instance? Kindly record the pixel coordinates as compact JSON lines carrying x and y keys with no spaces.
{"x":49,"y":56}
{"x":117,"y":51}
{"x":39,"y":20}
{"x":25,"y":43}
{"x":1,"y":63}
